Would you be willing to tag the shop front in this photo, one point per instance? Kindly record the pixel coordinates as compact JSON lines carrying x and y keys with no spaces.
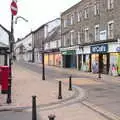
{"x":51,"y":59}
{"x":84,"y":58}
{"x":69,"y":59}
{"x":58,"y":58}
{"x":114,"y":50}
{"x":46,"y":58}
{"x":100,"y":58}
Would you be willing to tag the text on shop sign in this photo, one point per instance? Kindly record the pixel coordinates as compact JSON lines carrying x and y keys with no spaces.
{"x":99,"y":48}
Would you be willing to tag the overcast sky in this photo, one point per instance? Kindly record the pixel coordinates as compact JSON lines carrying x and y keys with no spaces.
{"x":37,"y":12}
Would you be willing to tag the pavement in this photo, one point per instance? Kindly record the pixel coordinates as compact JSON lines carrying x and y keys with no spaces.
{"x":72,"y":106}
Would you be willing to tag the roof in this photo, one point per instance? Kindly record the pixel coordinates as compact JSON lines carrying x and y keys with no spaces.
{"x":5,"y":29}
{"x":54,"y":34}
{"x":72,"y":7}
{"x":42,"y":26}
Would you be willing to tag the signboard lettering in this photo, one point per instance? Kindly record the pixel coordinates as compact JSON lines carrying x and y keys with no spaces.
{"x":103,"y":48}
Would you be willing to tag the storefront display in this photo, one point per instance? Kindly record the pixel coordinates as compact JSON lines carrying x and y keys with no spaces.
{"x":58,"y":58}
{"x":95,"y":63}
{"x":114,"y":64}
{"x":46,"y":59}
{"x":51,"y":59}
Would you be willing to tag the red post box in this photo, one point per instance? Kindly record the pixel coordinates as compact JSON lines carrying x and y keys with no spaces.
{"x":4,"y":74}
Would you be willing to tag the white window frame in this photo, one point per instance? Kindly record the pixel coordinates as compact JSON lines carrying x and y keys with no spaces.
{"x":86,"y":13}
{"x":79,"y":37}
{"x":111,"y":34}
{"x":64,"y":40}
{"x":97,"y":33}
{"x":110,"y":4}
{"x":72,"y":37}
{"x":65,"y":22}
{"x":86,"y":34}
{"x":96,"y":9}
{"x":71,"y":19}
{"x":79,"y":16}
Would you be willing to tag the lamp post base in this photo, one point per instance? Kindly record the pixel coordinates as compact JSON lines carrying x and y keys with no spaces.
{"x":9,"y":100}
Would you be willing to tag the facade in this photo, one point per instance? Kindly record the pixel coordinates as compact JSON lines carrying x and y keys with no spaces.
{"x":4,"y":45}
{"x":52,"y":44}
{"x":90,"y":36}
{"x":23,"y":48}
{"x":40,"y":38}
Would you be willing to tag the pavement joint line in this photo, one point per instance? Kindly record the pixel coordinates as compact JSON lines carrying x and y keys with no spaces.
{"x":103,"y":112}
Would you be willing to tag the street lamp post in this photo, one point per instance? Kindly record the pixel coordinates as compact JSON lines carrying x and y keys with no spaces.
{"x":43,"y":62}
{"x":10,"y":63}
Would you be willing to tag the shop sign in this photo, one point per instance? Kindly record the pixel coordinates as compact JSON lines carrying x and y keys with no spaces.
{"x":118,"y":49}
{"x":103,"y":48}
{"x":68,"y":52}
{"x":79,"y":51}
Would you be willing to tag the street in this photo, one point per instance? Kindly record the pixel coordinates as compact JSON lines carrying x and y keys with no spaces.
{"x":105,"y":95}
{"x":87,"y":89}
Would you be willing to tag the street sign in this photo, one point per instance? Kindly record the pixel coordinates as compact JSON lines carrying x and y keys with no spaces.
{"x":14,"y":8}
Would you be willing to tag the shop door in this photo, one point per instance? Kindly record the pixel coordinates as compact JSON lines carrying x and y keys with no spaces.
{"x":105,"y":63}
{"x":80,"y":61}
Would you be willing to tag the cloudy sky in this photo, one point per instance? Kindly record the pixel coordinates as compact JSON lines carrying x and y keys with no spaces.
{"x":37,"y":12}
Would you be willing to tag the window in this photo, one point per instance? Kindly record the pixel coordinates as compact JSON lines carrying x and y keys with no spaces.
{"x":97,"y":33}
{"x":72,"y":37}
{"x":79,"y":15}
{"x":86,"y":34}
{"x":71,"y":19}
{"x":86,"y":13}
{"x":64,"y":39}
{"x":96,"y":9}
{"x":78,"y":36}
{"x":65,"y":22}
{"x":110,"y":4}
{"x":110,"y":29}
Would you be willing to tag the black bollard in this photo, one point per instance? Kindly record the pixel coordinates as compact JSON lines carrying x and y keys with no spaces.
{"x":51,"y":117}
{"x":60,"y":91}
{"x":99,"y":75}
{"x":70,"y":83}
{"x":34,"y":114}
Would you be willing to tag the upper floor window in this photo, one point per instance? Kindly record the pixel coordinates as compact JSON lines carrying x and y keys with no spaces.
{"x":97,"y":33}
{"x":110,"y":4}
{"x":65,"y":23}
{"x":110,"y":30}
{"x":86,"y":13}
{"x":79,"y":16}
{"x":96,"y":9}
{"x":72,"y":37}
{"x":78,"y":36}
{"x":64,"y":40}
{"x":71,"y":19}
{"x":86,"y":34}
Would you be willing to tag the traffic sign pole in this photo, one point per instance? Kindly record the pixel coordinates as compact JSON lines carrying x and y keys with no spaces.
{"x":11,"y":41}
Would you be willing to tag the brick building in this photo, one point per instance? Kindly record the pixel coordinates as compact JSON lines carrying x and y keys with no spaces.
{"x":90,"y":34}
